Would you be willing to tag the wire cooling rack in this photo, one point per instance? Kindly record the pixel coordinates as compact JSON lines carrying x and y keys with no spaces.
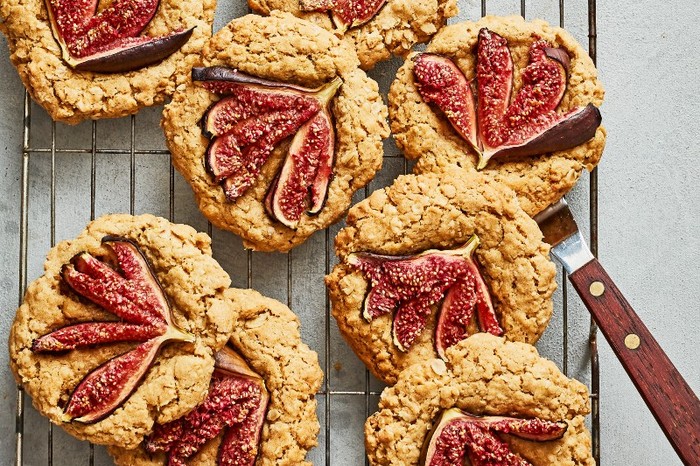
{"x":89,"y":175}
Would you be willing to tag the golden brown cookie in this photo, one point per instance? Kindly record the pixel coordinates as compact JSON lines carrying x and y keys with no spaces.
{"x":71,"y":96}
{"x":424,"y":133}
{"x":267,"y":335}
{"x":422,"y":212}
{"x":394,"y":30}
{"x":483,"y":375}
{"x":285,"y":49}
{"x":193,"y":283}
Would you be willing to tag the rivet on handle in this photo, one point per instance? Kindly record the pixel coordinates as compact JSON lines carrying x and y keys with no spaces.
{"x":597,"y":289}
{"x":632,"y":341}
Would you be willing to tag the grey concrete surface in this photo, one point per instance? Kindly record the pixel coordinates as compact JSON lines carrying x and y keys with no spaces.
{"x":649,"y":226}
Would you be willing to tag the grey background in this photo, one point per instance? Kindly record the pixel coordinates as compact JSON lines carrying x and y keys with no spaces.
{"x":648,"y":226}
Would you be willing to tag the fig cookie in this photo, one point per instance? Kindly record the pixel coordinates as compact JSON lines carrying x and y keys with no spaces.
{"x":491,"y":401}
{"x":275,"y":143}
{"x":120,"y":332}
{"x":432,"y":259}
{"x":261,"y":407}
{"x":376,"y":29}
{"x":81,"y":62}
{"x":535,"y":124}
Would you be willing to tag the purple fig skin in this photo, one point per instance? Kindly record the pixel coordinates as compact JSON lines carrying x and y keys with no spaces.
{"x":455,"y":431}
{"x":231,"y":75}
{"x":577,"y":127}
{"x":144,"y":54}
{"x":559,"y":55}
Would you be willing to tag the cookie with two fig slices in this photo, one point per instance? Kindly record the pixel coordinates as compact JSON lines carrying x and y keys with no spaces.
{"x":376,"y":29}
{"x":277,"y":130}
{"x":120,"y":331}
{"x":261,"y":406}
{"x":80,"y":61}
{"x":490,"y":401}
{"x":432,"y":259}
{"x":517,"y":100}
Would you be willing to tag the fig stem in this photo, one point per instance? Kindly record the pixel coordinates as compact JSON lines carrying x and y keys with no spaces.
{"x":176,"y":333}
{"x":326,"y":93}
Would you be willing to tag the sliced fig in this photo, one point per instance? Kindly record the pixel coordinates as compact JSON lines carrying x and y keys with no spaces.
{"x":346,"y":13}
{"x":255,"y":116}
{"x":93,"y":333}
{"x":441,"y":82}
{"x":412,"y":285}
{"x":108,"y":41}
{"x":235,"y":405}
{"x":530,"y":124}
{"x":303,"y":180}
{"x":458,"y":435}
{"x":132,"y":293}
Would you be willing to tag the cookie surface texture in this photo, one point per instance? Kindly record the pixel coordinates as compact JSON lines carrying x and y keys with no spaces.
{"x":394,"y":30}
{"x":424,"y":133}
{"x":420,"y":212}
{"x":286,"y":49}
{"x":72,"y":96}
{"x":177,"y":381}
{"x":483,"y":375}
{"x":267,"y":335}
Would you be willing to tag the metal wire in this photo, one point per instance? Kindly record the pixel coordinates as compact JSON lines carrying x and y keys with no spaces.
{"x":326,"y":393}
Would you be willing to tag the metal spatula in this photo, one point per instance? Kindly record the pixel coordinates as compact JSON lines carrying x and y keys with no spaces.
{"x":668,"y":396}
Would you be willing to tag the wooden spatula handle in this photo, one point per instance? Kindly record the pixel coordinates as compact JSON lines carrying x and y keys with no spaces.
{"x":668,"y":395}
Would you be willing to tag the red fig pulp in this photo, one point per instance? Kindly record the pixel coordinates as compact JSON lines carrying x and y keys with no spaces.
{"x":235,"y":406}
{"x":458,"y":435}
{"x":411,"y":285}
{"x":346,"y":13}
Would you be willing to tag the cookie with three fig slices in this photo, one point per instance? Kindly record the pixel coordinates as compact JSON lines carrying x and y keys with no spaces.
{"x":120,"y":331}
{"x":432,"y":259}
{"x":490,"y":401}
{"x":277,"y":130}
{"x":517,"y":100}
{"x":270,"y":378}
{"x":81,"y":61}
{"x":376,"y":29}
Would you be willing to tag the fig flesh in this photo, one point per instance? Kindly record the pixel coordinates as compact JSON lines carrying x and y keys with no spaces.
{"x":235,"y":406}
{"x":526,"y":125}
{"x":252,"y":118}
{"x":346,"y":14}
{"x":458,"y":435}
{"x":441,"y":82}
{"x":411,"y":285}
{"x":132,"y":293}
{"x":302,"y":182}
{"x":108,"y":41}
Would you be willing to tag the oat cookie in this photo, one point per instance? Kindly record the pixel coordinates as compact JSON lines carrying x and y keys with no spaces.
{"x":484,"y":375}
{"x":266,"y":334}
{"x":193,"y":283}
{"x":420,"y":212}
{"x":289,"y":50}
{"x":394,"y":30}
{"x":423,"y":132}
{"x":71,"y":96}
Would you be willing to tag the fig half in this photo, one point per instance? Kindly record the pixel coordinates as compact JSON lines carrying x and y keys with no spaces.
{"x":500,"y":128}
{"x":458,"y":435}
{"x":346,"y":14}
{"x":235,"y":405}
{"x":131,"y":292}
{"x":411,"y":285}
{"x":108,"y":41}
{"x":252,"y":118}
